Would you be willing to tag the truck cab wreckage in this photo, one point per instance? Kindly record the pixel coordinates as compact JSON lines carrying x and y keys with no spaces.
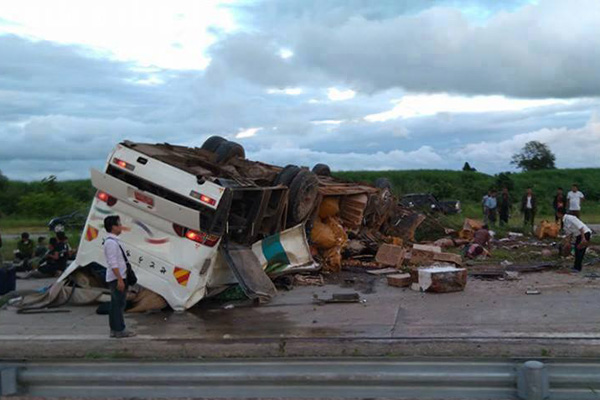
{"x":202,"y":219}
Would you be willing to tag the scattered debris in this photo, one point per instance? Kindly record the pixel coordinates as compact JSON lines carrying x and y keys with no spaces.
{"x":389,"y":254}
{"x":442,"y":279}
{"x":399,"y":280}
{"x":308,"y":280}
{"x":531,"y":267}
{"x":547,"y":229}
{"x":383,"y":271}
{"x":487,"y":271}
{"x":147,"y":300}
{"x":469,"y":228}
{"x":448,"y":257}
{"x":512,"y":276}
{"x":428,"y":248}
{"x":339,"y":298}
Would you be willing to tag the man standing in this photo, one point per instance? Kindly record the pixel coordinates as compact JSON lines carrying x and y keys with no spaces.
{"x":574,"y":199}
{"x":528,"y":208}
{"x":491,"y":206}
{"x":583,"y":234}
{"x":116,"y":274}
{"x":483,"y":207}
{"x":505,"y":206}
{"x":559,"y":204}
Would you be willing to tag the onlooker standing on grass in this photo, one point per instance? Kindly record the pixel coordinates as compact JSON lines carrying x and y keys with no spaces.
{"x":491,"y":207}
{"x":116,"y":275}
{"x":559,"y":204}
{"x":574,"y":226}
{"x":483,"y":209}
{"x":505,"y":206}
{"x":528,"y":208}
{"x":574,"y":199}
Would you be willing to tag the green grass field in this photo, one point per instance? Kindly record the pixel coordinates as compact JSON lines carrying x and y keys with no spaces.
{"x":469,"y":187}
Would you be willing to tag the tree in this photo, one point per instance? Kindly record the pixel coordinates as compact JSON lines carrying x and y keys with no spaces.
{"x":534,"y":156}
{"x":3,"y":181}
{"x":468,"y":167}
{"x":503,"y":180}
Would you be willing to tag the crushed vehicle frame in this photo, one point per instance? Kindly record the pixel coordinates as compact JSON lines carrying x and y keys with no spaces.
{"x":197,"y":214}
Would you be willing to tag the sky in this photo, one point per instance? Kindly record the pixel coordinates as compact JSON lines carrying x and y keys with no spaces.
{"x":356,"y":84}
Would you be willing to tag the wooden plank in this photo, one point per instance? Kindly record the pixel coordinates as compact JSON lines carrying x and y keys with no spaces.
{"x":389,"y":254}
{"x":448,"y":257}
{"x":427,"y":247}
{"x":383,"y":271}
{"x":399,"y":280}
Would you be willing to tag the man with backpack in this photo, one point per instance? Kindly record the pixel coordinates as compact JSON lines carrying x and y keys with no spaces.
{"x":116,"y":277}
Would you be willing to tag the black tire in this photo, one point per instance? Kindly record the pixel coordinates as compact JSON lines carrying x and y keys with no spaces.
{"x":303,"y":195}
{"x":287,"y":175}
{"x":212,"y":143}
{"x":383,"y":183}
{"x":322,"y":170}
{"x":227,"y":150}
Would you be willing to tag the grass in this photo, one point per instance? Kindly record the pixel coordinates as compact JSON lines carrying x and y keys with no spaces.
{"x":16,"y":225}
{"x":469,"y":187}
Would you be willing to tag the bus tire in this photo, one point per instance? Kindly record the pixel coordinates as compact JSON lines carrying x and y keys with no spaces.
{"x":212,"y":143}
{"x":303,"y":195}
{"x":227,"y":150}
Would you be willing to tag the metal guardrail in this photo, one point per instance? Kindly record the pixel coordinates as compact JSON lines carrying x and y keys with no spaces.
{"x":335,"y":378}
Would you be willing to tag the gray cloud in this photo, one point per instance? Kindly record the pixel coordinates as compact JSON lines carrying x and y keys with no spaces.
{"x":62,"y":108}
{"x":547,"y":50}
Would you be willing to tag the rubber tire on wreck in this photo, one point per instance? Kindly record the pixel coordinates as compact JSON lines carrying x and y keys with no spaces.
{"x":212,"y":143}
{"x":287,"y":175}
{"x":383,"y":183}
{"x":227,"y":150}
{"x":304,"y":192}
{"x":322,"y":169}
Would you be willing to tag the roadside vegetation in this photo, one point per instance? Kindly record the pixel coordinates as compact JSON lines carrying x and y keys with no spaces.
{"x":28,"y":206}
{"x":469,"y":187}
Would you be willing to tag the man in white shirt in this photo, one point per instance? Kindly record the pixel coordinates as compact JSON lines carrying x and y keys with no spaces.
{"x":116,"y":274}
{"x":573,"y":226}
{"x":574,"y":199}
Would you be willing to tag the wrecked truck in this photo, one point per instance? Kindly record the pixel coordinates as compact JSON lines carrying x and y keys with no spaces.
{"x":202,"y":219}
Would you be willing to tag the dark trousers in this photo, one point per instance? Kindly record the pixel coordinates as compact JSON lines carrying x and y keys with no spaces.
{"x":116,"y":320}
{"x":492,"y":216}
{"x":504,"y":216}
{"x":528,"y":217}
{"x":579,"y":253}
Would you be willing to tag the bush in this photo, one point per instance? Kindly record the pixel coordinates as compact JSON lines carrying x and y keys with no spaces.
{"x":46,"y":205}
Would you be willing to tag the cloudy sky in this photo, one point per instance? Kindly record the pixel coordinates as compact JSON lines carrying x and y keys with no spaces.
{"x":357,"y":84}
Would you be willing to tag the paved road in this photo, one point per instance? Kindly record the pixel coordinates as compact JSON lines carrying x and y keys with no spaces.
{"x":490,"y":318}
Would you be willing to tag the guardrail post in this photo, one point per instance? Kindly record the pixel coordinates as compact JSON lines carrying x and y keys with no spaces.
{"x":8,"y":381}
{"x":532,"y":381}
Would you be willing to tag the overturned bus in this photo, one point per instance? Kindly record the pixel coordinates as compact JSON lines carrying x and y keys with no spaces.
{"x":204,"y":218}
